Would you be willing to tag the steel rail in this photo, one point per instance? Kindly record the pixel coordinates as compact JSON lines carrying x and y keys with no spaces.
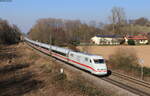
{"x":131,"y":79}
{"x":126,"y":87}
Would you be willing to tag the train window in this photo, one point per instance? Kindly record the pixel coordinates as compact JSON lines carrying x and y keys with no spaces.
{"x":90,"y":61}
{"x":59,"y":52}
{"x":71,"y":55}
{"x":45,"y":48}
{"x":97,"y":61}
{"x":86,"y":59}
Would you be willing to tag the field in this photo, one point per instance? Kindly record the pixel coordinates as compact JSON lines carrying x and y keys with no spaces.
{"x":143,"y":52}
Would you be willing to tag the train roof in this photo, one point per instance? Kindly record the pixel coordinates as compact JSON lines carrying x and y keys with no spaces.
{"x":64,"y":50}
{"x":87,"y":55}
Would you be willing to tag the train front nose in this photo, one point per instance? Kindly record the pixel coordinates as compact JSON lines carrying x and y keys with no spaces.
{"x":101,"y":69}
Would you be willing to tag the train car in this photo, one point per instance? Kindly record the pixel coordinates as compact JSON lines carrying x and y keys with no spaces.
{"x":60,"y":53}
{"x":92,"y":63}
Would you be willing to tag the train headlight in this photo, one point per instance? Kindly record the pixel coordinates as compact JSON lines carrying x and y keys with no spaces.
{"x":101,"y":69}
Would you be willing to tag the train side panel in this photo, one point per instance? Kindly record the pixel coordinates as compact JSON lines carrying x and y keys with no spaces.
{"x":80,"y":61}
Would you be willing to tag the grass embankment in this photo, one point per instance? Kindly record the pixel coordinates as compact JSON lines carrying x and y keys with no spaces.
{"x":25,"y":73}
{"x":126,"y":60}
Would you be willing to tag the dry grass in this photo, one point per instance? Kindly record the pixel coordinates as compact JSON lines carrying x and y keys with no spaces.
{"x":25,"y":73}
{"x":124,"y":59}
{"x":16,"y":77}
{"x":142,"y":51}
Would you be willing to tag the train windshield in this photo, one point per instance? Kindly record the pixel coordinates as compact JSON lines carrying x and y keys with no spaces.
{"x":97,"y":61}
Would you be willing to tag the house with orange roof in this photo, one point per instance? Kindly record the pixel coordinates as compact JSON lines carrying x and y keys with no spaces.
{"x":139,"y":39}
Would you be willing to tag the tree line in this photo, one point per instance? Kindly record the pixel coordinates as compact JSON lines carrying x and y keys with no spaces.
{"x":9,"y":34}
{"x":63,"y":32}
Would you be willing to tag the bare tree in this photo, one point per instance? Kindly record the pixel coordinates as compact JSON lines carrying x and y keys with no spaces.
{"x":9,"y":34}
{"x":117,"y":19}
{"x":62,"y":32}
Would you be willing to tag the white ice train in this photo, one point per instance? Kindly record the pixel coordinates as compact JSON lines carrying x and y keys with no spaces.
{"x":92,"y":63}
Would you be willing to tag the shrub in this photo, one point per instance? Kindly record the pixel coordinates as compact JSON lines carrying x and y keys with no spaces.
{"x":146,"y":71}
{"x":72,"y":47}
{"x":127,"y":60}
{"x":47,"y":68}
{"x":122,"y":41}
{"x":131,"y":42}
{"x":59,"y":77}
{"x":124,"y":59}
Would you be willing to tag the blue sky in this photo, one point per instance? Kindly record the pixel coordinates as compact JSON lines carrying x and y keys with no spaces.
{"x":24,"y":13}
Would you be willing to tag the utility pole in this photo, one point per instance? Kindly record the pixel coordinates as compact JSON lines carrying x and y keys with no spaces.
{"x":142,"y":69}
{"x":50,"y":42}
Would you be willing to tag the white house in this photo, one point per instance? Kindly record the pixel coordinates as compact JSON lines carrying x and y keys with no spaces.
{"x":106,"y":39}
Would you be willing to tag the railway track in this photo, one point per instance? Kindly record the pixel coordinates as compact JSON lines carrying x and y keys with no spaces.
{"x":125,"y":86}
{"x":132,"y":79}
{"x":138,"y":87}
